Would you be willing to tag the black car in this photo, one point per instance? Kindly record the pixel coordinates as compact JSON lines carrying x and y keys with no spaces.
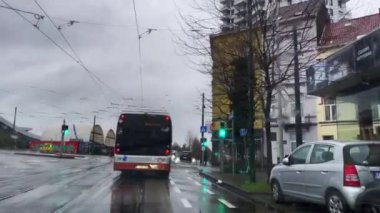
{"x":185,"y":156}
{"x":369,"y":200}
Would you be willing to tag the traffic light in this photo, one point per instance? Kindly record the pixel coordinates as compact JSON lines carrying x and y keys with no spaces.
{"x":222,"y":132}
{"x":204,"y":142}
{"x":65,"y":129}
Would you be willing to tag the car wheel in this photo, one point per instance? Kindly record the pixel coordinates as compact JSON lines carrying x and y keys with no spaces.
{"x":277,"y":192}
{"x":336,"y":203}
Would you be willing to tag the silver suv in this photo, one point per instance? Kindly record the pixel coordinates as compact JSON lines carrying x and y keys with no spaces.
{"x":331,"y":173}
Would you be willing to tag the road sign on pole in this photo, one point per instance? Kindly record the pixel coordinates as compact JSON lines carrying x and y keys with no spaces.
{"x":243,"y":132}
{"x":203,"y":129}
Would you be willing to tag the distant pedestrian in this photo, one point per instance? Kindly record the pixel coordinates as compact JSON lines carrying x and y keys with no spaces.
{"x":205,"y":157}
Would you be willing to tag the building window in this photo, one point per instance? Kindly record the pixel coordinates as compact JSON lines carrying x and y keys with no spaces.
{"x":290,"y":2}
{"x":340,"y":3}
{"x":328,"y":137}
{"x":330,"y":109}
{"x":273,"y":136}
{"x":331,"y":12}
{"x":331,"y":2}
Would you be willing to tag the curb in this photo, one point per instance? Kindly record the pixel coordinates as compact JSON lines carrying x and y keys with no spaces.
{"x":241,"y":192}
{"x":45,"y":155}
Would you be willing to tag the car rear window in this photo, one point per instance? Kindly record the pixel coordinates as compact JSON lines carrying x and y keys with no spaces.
{"x":363,"y":154}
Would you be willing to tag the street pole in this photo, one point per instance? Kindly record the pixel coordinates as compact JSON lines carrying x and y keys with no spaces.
{"x":203,"y":123}
{"x":280,"y":128}
{"x":221,"y":154}
{"x":62,"y":136}
{"x":298,"y":118}
{"x":93,"y":135}
{"x":251,"y":86}
{"x":14,"y":128}
{"x":279,"y":88}
{"x":233,"y":143}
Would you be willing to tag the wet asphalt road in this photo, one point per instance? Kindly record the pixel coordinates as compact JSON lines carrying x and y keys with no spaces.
{"x":37,"y":184}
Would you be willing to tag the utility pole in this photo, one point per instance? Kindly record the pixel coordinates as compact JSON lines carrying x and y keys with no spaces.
{"x":280,"y":127}
{"x":62,"y":136}
{"x":202,"y":133}
{"x":251,"y":87}
{"x":14,"y":128}
{"x":280,"y":97}
{"x":298,"y":118}
{"x":233,"y":143}
{"x":93,"y":135}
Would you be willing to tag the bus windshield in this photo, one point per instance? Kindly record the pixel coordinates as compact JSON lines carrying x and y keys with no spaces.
{"x":143,"y":134}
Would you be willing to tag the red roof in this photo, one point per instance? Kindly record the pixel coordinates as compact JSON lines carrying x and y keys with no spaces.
{"x":348,"y":30}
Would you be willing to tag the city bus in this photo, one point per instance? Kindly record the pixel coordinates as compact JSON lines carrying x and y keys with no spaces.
{"x":143,"y":143}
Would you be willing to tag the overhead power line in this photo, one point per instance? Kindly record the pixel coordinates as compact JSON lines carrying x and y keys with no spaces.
{"x":76,"y":59}
{"x":71,"y":22}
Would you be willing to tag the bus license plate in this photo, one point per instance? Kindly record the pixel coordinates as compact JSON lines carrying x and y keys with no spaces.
{"x":376,"y":175}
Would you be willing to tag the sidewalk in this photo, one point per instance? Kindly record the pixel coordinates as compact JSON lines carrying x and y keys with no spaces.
{"x":66,"y":156}
{"x":233,"y":183}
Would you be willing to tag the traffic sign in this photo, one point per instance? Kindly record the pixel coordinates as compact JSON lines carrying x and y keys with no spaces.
{"x":243,"y":132}
{"x":203,"y":129}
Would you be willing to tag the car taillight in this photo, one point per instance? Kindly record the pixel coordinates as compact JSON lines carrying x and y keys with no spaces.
{"x":350,"y":175}
{"x":121,"y":118}
{"x":117,"y":150}
{"x":167,"y":152}
{"x":167,"y":118}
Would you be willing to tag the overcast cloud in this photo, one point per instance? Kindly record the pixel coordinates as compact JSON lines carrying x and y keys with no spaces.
{"x":47,"y":86}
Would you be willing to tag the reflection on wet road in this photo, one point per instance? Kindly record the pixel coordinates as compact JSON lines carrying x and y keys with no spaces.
{"x":90,"y":185}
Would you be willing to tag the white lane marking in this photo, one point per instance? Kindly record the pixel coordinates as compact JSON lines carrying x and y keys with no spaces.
{"x":177,"y":190}
{"x":189,"y":178}
{"x":198,"y":184}
{"x":210,"y":192}
{"x":186,"y":203}
{"x":172,"y":182}
{"x":228,"y":204}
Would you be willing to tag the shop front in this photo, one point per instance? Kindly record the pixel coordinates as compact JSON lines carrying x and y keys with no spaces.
{"x":351,"y":77}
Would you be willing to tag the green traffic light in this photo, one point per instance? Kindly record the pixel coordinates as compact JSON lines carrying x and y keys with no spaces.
{"x":66,"y":132}
{"x":222,"y":133}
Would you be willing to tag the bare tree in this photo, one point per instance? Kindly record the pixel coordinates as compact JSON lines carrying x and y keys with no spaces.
{"x":264,"y":42}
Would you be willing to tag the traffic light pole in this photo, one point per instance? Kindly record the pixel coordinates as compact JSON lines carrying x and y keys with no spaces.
{"x":202,"y":133}
{"x":221,"y":151}
{"x":63,"y":136}
{"x":298,"y":117}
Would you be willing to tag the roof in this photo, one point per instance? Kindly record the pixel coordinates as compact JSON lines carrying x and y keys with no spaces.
{"x":21,"y":130}
{"x":345,"y":31}
{"x":300,"y":9}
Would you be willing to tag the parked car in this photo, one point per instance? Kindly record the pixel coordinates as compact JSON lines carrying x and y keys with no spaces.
{"x":369,"y":200}
{"x":331,"y":173}
{"x":185,"y":156}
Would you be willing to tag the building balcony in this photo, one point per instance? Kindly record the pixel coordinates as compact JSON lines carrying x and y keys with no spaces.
{"x":353,"y":68}
{"x":238,"y":3}
{"x":226,"y":26}
{"x":240,"y":20}
{"x":226,"y":9}
{"x":241,"y":11}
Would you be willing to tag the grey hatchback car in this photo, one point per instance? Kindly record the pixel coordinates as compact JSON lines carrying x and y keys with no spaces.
{"x":331,"y":173}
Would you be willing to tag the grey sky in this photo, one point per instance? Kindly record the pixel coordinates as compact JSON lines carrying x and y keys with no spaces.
{"x":48,"y":86}
{"x":363,"y":7}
